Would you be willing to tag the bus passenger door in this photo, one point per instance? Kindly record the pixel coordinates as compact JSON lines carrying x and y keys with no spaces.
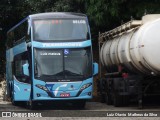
{"x":21,"y":82}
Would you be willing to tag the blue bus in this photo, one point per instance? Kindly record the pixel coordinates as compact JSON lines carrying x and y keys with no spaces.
{"x":49,"y":58}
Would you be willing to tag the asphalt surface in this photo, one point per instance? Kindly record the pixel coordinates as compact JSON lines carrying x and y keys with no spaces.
{"x":90,"y":106}
{"x":92,"y":110}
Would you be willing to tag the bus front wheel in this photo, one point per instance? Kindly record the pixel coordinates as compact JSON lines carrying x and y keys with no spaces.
{"x":12,"y":99}
{"x":31,"y":104}
{"x":79,"y":104}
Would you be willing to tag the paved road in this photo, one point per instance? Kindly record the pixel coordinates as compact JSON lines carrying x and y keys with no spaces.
{"x":90,"y":106}
{"x":93,"y":110}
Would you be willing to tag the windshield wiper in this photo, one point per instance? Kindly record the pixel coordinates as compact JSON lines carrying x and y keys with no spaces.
{"x":67,"y":72}
{"x":58,"y":74}
{"x":49,"y":77}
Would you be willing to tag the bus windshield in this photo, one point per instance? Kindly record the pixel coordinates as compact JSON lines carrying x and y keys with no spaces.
{"x":60,"y":29}
{"x":56,"y":64}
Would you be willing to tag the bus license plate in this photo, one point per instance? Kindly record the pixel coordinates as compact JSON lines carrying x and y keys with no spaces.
{"x":65,"y":95}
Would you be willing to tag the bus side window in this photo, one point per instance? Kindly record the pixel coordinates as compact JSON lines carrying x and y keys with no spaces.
{"x":10,"y":38}
{"x":19,"y":61}
{"x":28,"y":36}
{"x":21,"y":31}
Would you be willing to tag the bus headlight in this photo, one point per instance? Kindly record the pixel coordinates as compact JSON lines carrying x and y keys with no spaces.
{"x":85,"y":86}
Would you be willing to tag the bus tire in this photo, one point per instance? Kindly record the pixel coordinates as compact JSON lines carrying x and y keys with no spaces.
{"x":79,"y":104}
{"x":15,"y":103}
{"x":31,"y":104}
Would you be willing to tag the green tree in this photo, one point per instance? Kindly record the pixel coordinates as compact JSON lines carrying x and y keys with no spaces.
{"x":103,"y":14}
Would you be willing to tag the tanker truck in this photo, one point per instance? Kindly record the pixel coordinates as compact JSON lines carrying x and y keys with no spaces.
{"x":130,"y":62}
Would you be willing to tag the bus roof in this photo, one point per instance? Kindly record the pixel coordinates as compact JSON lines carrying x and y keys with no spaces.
{"x":57,"y":15}
{"x":50,"y":15}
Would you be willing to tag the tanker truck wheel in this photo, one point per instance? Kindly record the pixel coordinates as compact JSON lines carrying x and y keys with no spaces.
{"x":117,"y":99}
{"x":100,"y":90}
{"x":108,"y":99}
{"x":108,"y":96}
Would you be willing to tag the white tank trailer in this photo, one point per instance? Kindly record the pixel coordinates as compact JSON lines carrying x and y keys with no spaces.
{"x":130,"y":55}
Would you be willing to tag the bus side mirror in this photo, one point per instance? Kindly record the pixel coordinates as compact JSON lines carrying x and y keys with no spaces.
{"x":25,"y":69}
{"x":95,"y":68}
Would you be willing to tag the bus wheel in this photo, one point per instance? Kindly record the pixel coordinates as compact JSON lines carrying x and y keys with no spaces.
{"x":13,"y":102}
{"x":31,"y":104}
{"x":79,"y":104}
{"x":12,"y":99}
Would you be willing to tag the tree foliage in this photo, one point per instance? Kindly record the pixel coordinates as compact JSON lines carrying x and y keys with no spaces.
{"x":103,"y":14}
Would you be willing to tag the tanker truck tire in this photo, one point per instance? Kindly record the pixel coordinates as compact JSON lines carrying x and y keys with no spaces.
{"x":100,"y":89}
{"x":108,"y":96}
{"x":108,"y":99}
{"x":117,"y":98}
